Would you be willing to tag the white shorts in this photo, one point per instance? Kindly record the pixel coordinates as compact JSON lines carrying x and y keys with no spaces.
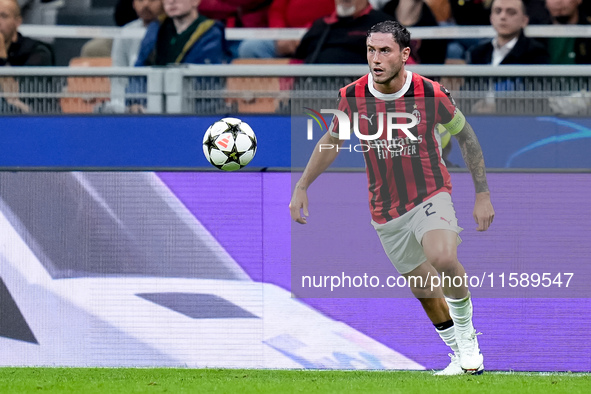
{"x":402,"y":237}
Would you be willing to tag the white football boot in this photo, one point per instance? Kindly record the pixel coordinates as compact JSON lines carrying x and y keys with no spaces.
{"x":471,"y":360}
{"x":453,"y":368}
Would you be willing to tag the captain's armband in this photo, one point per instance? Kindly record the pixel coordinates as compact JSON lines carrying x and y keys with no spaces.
{"x":457,"y":123}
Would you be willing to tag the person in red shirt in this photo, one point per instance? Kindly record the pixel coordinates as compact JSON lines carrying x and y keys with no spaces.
{"x":340,"y":37}
{"x":286,"y":14}
{"x":409,"y":185}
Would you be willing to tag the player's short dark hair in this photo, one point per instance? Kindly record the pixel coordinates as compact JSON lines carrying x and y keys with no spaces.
{"x":400,"y":33}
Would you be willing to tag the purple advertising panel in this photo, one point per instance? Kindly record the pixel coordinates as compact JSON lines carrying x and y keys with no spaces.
{"x":537,"y":246}
{"x":204,"y":270}
{"x":542,"y":224}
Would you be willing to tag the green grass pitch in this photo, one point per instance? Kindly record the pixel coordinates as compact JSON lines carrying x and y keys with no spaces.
{"x":163,"y":380}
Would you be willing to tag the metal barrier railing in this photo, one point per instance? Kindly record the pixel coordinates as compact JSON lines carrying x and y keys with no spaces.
{"x":535,"y":90}
{"x":224,"y":89}
{"x":241,"y":33}
{"x":70,"y":90}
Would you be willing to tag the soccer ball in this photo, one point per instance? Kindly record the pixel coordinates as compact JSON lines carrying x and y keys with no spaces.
{"x":229,"y":144}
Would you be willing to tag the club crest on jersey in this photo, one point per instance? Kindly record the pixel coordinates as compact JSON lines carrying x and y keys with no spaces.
{"x":417,"y":114}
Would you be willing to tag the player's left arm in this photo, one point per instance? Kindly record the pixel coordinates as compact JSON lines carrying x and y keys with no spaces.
{"x":474,"y":158}
{"x":472,"y":153}
{"x":454,"y":121}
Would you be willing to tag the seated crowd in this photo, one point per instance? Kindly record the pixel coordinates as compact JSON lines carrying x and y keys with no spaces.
{"x":192,"y":31}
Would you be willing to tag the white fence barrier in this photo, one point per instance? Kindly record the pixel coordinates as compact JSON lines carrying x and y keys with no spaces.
{"x":436,"y":32}
{"x":221,"y":89}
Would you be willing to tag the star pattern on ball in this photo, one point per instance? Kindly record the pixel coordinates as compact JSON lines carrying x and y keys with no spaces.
{"x":229,"y":144}
{"x":234,"y":129}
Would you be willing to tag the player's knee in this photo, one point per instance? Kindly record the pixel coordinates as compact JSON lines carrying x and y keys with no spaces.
{"x":420,"y":286}
{"x":444,"y":260}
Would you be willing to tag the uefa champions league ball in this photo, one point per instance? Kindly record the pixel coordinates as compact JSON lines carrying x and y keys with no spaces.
{"x":229,"y":144}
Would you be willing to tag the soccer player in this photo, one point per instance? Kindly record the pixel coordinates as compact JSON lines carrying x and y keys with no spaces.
{"x":409,"y":185}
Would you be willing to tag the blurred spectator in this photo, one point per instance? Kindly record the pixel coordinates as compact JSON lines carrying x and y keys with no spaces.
{"x":286,"y":14}
{"x":237,"y":13}
{"x":184,"y":36}
{"x":125,"y":50}
{"x":536,"y":10}
{"x":441,"y":9}
{"x":568,"y":50}
{"x":510,"y":46}
{"x":124,"y":12}
{"x":16,"y":50}
{"x":97,"y":47}
{"x":340,"y":37}
{"x":416,"y":13}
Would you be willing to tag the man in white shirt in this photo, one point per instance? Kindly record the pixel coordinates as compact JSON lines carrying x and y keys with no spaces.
{"x":501,"y":51}
{"x":510,"y":46}
{"x":125,"y":50}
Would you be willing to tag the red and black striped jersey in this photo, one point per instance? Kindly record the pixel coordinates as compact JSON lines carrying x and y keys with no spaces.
{"x":401,"y":172}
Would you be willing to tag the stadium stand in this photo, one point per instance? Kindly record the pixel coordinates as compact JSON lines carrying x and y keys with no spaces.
{"x":80,"y":13}
{"x":251,"y":88}
{"x":255,"y":104}
{"x":93,"y":86}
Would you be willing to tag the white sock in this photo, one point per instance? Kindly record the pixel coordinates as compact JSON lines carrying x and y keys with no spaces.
{"x":449,"y":337}
{"x":461,"y":313}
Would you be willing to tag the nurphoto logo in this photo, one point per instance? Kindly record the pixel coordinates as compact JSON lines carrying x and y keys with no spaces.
{"x":344,"y":124}
{"x":388,"y":147}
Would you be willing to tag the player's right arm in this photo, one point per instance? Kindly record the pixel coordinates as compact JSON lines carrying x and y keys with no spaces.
{"x":322,"y":157}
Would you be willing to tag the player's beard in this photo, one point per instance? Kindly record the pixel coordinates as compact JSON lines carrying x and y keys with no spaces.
{"x":386,"y":77}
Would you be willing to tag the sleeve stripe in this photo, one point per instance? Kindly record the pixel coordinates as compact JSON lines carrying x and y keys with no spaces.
{"x":331,"y":128}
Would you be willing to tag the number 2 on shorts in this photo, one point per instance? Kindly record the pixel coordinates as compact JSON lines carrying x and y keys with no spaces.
{"x":426,"y":207}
